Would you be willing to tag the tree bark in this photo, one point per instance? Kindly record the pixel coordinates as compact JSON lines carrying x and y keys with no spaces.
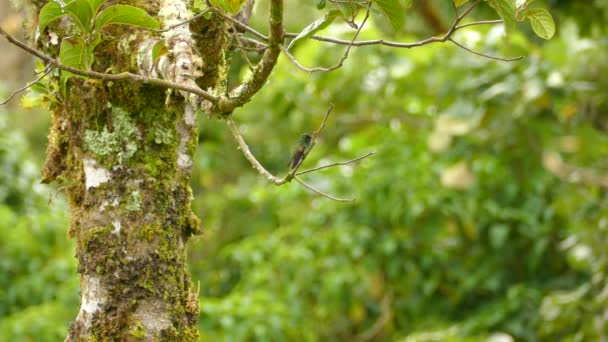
{"x":124,"y":153}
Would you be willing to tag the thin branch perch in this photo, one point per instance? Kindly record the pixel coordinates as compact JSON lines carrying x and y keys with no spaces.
{"x":336,"y":164}
{"x":292,"y":174}
{"x":322,"y":193}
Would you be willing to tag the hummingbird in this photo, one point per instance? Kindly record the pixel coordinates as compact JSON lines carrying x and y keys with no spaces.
{"x":303,"y":145}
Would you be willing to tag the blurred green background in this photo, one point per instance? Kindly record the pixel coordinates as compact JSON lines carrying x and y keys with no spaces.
{"x":483,"y":215}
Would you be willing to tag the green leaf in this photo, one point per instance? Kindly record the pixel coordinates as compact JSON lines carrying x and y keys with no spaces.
{"x":198,"y":6}
{"x":229,"y":6}
{"x":96,"y":4}
{"x":82,"y":11}
{"x":49,"y":12}
{"x":320,"y":4}
{"x":394,"y":11}
{"x":506,"y":11}
{"x":125,"y":14}
{"x":541,"y":21}
{"x":316,"y":26}
{"x":459,"y":3}
{"x":349,"y":10}
{"x":159,"y":50}
{"x":71,"y":53}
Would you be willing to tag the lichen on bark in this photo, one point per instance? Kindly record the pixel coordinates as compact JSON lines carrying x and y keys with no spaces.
{"x":124,"y":153}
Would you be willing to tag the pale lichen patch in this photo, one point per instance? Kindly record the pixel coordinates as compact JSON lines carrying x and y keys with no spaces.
{"x":134,"y":202}
{"x":117,"y":226}
{"x":93,"y":296}
{"x":121,"y":142}
{"x":184,"y":161}
{"x":94,"y":174}
{"x":152,"y":314}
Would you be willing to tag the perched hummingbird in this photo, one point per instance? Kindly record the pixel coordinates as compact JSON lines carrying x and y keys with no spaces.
{"x":303,"y":145}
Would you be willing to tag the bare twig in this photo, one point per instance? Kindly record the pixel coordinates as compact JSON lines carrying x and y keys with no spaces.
{"x":335,"y":164}
{"x":247,"y":60}
{"x":237,"y":23}
{"x":257,"y":165}
{"x":292,"y":174}
{"x":476,"y":23}
{"x":183,"y":22}
{"x":313,"y":139}
{"x":341,"y":61}
{"x":455,"y":27}
{"x":322,"y":193}
{"x":324,"y":121}
{"x":123,"y":76}
{"x":250,"y":44}
{"x":483,"y":54}
{"x":47,"y":69}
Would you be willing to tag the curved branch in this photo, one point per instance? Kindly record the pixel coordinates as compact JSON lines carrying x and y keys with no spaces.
{"x":481,"y":22}
{"x":341,"y":61}
{"x":247,"y":152}
{"x":322,"y":193}
{"x":335,"y":164}
{"x":292,"y":173}
{"x":442,"y":39}
{"x":483,"y":54}
{"x":245,"y":91}
{"x":123,"y":76}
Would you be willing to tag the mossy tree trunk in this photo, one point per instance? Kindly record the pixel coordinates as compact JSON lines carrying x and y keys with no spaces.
{"x":123,"y":152}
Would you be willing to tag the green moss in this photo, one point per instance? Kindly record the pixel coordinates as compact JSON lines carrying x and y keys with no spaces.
{"x":97,"y":234}
{"x":160,"y":126}
{"x":146,"y":233}
{"x":138,"y":331}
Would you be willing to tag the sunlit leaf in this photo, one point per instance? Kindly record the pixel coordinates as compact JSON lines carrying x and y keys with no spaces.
{"x":159,"y":50}
{"x":82,"y":11}
{"x":49,"y":12}
{"x":316,"y":26}
{"x":229,"y":6}
{"x":541,"y":21}
{"x":394,"y":11}
{"x":506,"y":11}
{"x":96,"y":4}
{"x":127,"y":15}
{"x":72,"y":53}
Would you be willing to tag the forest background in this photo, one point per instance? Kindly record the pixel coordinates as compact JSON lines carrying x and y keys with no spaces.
{"x":482,"y":215}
